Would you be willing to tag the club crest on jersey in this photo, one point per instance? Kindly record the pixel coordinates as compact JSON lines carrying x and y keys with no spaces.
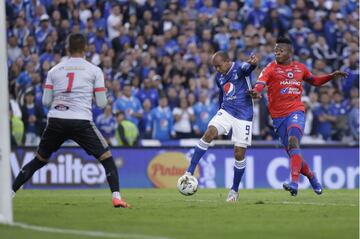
{"x":229,"y":89}
{"x":290,"y":75}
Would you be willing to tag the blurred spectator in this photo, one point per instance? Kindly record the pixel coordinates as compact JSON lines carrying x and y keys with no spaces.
{"x":203,"y":112}
{"x":43,"y":31}
{"x":208,"y":8}
{"x":323,"y":52}
{"x":16,"y":129}
{"x":161,"y":121}
{"x":127,"y":132}
{"x":341,"y":109}
{"x":114,"y":21}
{"x":106,"y":123}
{"x":351,"y":66}
{"x":354,"y":119}
{"x":24,"y":80}
{"x":184,"y":117}
{"x":13,"y":51}
{"x":325,"y":116}
{"x":129,"y":104}
{"x":298,"y":34}
{"x":147,"y":91}
{"x":33,"y":120}
{"x":257,"y":15}
{"x":145,"y":120}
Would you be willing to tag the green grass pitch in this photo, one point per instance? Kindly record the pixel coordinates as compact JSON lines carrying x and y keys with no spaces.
{"x":164,"y":213}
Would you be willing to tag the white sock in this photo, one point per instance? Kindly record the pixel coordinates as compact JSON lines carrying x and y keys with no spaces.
{"x":13,"y":194}
{"x":116,"y":195}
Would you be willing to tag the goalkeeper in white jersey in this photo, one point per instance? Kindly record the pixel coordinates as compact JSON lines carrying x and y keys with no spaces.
{"x":69,"y":89}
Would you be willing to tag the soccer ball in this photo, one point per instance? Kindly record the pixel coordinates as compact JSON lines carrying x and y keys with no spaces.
{"x":187,"y":185}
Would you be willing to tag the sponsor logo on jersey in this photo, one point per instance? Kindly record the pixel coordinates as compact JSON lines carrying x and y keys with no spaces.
{"x":284,"y":90}
{"x":290,"y":91}
{"x":229,"y":89}
{"x":61,"y":107}
{"x":290,"y":82}
{"x":290,"y":75}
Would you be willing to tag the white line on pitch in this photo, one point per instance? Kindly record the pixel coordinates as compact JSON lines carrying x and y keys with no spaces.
{"x":286,"y":202}
{"x":85,"y":233}
{"x":318,"y":204}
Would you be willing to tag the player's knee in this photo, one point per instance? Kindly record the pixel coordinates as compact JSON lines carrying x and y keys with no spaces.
{"x":105,"y":155}
{"x":293,"y":142}
{"x":210,"y":134}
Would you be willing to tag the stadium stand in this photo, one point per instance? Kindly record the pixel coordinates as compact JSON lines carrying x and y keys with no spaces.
{"x":162,"y":48}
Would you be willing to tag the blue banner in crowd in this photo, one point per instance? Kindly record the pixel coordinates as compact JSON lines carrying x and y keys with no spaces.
{"x":72,"y":168}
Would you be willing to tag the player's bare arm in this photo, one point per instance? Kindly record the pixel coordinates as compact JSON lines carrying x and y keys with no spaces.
{"x":321,"y":80}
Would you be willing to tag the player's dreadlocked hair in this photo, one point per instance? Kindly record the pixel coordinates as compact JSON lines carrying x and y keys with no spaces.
{"x":284,"y":40}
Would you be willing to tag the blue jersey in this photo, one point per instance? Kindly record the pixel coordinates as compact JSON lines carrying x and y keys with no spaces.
{"x":234,"y":87}
{"x":203,"y":114}
{"x":129,"y":106}
{"x":150,"y":94}
{"x":106,"y":125}
{"x":161,"y":123}
{"x":324,"y":128}
{"x":340,"y":109}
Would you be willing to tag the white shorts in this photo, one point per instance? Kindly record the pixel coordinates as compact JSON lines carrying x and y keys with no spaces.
{"x":241,"y":129}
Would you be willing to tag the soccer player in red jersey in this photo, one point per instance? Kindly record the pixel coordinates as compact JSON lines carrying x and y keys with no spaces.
{"x":284,"y":77}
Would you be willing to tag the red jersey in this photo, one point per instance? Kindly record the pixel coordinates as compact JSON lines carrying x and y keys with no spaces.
{"x":284,"y":84}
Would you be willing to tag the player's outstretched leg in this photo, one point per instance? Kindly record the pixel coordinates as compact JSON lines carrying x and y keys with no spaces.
{"x":27,"y":172}
{"x":201,"y":148}
{"x":113,"y":180}
{"x":199,"y":151}
{"x":239,"y":169}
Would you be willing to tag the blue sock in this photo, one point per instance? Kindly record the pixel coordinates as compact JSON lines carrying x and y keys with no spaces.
{"x":200,"y":150}
{"x":239,"y":169}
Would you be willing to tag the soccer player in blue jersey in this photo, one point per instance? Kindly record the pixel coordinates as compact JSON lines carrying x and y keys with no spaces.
{"x":236,"y":113}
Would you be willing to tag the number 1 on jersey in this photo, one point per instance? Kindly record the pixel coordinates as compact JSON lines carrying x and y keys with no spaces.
{"x":70,"y":76}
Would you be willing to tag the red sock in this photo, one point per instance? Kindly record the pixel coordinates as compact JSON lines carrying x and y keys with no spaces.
{"x":306,"y":171}
{"x":295,"y":166}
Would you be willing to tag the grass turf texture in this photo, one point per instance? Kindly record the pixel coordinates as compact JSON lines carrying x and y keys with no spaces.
{"x":166,"y":213}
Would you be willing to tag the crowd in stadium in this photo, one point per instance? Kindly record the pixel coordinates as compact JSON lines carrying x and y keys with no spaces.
{"x":155,"y":55}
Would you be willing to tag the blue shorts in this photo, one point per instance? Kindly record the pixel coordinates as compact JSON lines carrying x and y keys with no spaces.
{"x":283,"y":124}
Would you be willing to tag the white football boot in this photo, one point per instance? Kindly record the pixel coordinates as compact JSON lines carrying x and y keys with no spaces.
{"x":232,"y":196}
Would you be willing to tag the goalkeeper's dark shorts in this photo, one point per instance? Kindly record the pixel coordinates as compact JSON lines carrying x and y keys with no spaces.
{"x":83,"y":132}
